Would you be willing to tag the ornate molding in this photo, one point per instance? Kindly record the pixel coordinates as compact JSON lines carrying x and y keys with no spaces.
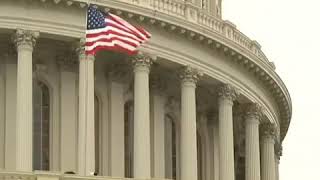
{"x":268,"y":130}
{"x":143,"y":60}
{"x":79,"y":48}
{"x":229,"y":92}
{"x":190,"y":74}
{"x":25,"y":38}
{"x":253,"y":111}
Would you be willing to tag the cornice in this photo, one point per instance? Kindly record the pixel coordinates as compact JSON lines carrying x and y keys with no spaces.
{"x":214,"y":32}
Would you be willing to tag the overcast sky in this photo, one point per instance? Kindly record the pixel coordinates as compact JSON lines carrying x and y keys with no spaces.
{"x":289,"y":32}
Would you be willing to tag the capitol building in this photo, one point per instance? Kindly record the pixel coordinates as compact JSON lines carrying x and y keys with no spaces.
{"x":200,"y":101}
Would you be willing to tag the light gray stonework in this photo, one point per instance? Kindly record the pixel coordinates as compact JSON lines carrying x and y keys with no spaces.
{"x":208,"y":108}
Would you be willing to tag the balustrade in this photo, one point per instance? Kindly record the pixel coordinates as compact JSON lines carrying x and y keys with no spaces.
{"x":179,"y":9}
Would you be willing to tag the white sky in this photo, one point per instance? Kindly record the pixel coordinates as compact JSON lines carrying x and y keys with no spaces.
{"x":289,"y":32}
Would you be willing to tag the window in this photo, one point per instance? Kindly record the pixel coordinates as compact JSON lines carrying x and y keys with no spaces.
{"x":41,"y":126}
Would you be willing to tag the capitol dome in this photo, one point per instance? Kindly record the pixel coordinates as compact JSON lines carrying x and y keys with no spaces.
{"x":199,"y":101}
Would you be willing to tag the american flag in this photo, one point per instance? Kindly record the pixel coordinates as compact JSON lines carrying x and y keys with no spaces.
{"x":110,"y":32}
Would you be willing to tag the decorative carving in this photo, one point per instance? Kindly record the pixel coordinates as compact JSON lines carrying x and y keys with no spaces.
{"x":143,"y":60}
{"x":229,"y":92}
{"x":253,"y":111}
{"x":190,"y":74}
{"x":25,"y":38}
{"x":79,"y":48}
{"x":268,"y":130}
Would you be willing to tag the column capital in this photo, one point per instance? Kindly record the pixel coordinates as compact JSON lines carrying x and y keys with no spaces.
{"x":143,"y":61}
{"x":25,"y":38}
{"x":190,"y":74}
{"x":79,"y":48}
{"x":227,"y":91}
{"x":253,"y":111}
{"x":268,"y":130}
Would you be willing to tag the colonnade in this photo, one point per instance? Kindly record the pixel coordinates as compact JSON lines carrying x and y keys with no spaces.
{"x":223,"y":137}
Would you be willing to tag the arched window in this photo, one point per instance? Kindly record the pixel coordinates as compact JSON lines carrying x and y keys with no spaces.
{"x":97,"y":133}
{"x":41,"y":126}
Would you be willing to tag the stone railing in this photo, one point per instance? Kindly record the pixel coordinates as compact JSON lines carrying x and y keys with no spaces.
{"x":47,"y":175}
{"x":171,"y":7}
{"x":191,"y":13}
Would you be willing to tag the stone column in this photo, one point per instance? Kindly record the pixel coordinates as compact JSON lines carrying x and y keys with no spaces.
{"x":116,"y":119}
{"x":188,"y":137}
{"x":252,"y":161}
{"x":158,"y":117}
{"x":68,"y":113}
{"x":141,"y":152}
{"x":226,"y":95}
{"x":24,"y":41}
{"x":86,"y":146}
{"x":267,"y":152}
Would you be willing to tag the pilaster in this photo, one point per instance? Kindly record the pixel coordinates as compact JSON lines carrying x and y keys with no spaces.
{"x":116,"y":92}
{"x":68,"y":112}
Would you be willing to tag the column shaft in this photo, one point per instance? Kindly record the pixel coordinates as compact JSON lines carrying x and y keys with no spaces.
{"x":90,"y":128}
{"x":141,"y":123}
{"x":86,"y":138}
{"x":188,"y":137}
{"x":188,"y":124}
